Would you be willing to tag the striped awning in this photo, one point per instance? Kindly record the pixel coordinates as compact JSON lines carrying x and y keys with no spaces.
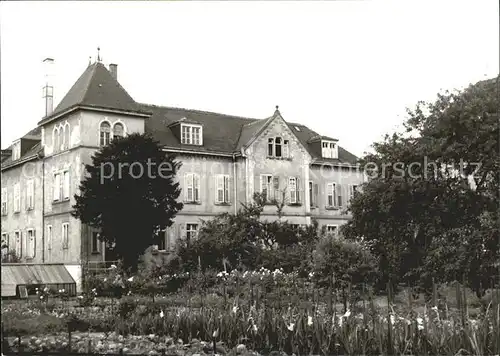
{"x":15,"y":274}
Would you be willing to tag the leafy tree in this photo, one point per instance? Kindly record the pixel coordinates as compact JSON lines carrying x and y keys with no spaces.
{"x":430,"y":204}
{"x":129,"y":194}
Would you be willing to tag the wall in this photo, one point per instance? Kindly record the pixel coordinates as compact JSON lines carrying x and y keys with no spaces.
{"x":24,"y":219}
{"x":259,"y":163}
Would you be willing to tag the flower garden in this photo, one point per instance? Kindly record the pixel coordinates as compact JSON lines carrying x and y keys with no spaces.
{"x":249,"y":313}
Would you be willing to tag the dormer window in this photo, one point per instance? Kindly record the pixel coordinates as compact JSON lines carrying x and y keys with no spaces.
{"x":329,"y":149}
{"x":191,"y":134}
{"x":277,"y":147}
{"x":16,"y":150}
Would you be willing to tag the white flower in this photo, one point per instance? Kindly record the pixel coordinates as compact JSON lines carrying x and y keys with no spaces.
{"x":235,"y":309}
{"x":215,"y":333}
{"x":393,"y":319}
{"x":309,"y":320}
{"x":434,"y":308}
{"x":347,"y":314}
{"x":130,"y":279}
{"x":161,"y":314}
{"x":420,"y":323}
{"x":291,"y":326}
{"x":254,"y":327}
{"x":112,"y":266}
{"x":105,"y":279}
{"x":80,"y":297}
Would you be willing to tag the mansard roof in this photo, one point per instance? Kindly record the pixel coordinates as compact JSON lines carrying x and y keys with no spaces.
{"x":226,"y":134}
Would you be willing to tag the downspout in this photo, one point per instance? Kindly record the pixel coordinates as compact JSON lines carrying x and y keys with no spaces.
{"x":43,"y":208}
{"x":246,"y":174}
{"x":235,"y":182}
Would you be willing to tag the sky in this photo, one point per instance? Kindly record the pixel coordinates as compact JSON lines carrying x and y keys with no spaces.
{"x":346,"y":69}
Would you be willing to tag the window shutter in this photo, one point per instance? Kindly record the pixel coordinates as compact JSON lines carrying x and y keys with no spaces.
{"x":227,"y":187}
{"x":182,"y":231}
{"x":298,"y":189}
{"x":315,"y":194}
{"x":286,"y":150}
{"x":187,"y":185}
{"x":276,"y":187}
{"x":66,"y":185}
{"x":34,"y":245}
{"x":339,"y":195}
{"x":196,"y":184}
{"x":61,"y":183}
{"x":219,"y":188}
{"x":55,"y":192}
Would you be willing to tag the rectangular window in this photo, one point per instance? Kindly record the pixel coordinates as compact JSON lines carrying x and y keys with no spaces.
{"x":30,"y":195}
{"x":56,"y":189}
{"x":277,"y":147}
{"x":49,"y":237}
{"x":17,"y":198}
{"x":65,"y":235}
{"x":95,"y":242}
{"x":293,"y":188}
{"x":5,"y":240}
{"x":352,"y":189}
{"x":221,"y":188}
{"x":332,"y":229}
{"x":331,"y":193}
{"x":192,"y":188}
{"x":30,"y":239}
{"x":270,"y":147}
{"x":328,"y":149}
{"x":65,"y":185}
{"x":286,"y":149}
{"x":4,"y":201}
{"x":266,"y":186}
{"x":191,"y":135}
{"x":17,"y":241}
{"x":191,"y":231}
{"x":16,"y":151}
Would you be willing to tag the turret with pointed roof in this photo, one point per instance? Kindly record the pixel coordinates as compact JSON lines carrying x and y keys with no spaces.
{"x":96,"y":89}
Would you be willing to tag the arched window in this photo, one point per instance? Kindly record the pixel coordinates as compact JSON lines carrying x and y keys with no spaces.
{"x":117,"y":130}
{"x":61,"y":139}
{"x":55,"y":139}
{"x":104,"y":130}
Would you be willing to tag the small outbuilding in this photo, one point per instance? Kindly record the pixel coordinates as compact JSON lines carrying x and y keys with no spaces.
{"x":18,"y":279}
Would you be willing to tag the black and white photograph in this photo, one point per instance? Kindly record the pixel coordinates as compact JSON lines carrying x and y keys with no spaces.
{"x":250,"y":178}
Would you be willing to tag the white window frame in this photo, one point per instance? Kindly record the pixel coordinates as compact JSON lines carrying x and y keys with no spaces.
{"x":4,"y":201}
{"x":16,"y":150}
{"x":105,"y":139}
{"x":30,"y":243}
{"x":331,"y":191}
{"x":272,"y":144}
{"x":335,"y":229}
{"x":329,"y":149}
{"x":118,"y":123}
{"x":61,"y":186}
{"x":191,"y":134}
{"x":65,"y":235}
{"x":17,"y":197}
{"x":268,"y":186}
{"x":192,"y":188}
{"x":50,"y":231}
{"x":222,"y":189}
{"x":192,"y":233}
{"x":18,"y":241}
{"x":294,"y":190}
{"x":30,"y":194}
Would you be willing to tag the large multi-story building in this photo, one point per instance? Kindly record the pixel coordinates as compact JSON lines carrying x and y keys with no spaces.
{"x":225,"y":159}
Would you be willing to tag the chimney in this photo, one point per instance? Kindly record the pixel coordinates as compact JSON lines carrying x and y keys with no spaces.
{"x":48,"y":89}
{"x":113,"y":69}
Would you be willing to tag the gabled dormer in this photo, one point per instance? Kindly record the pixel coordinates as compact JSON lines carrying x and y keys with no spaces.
{"x":188,"y":132}
{"x":326,"y":145}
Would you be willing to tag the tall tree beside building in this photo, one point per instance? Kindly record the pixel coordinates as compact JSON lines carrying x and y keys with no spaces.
{"x":129,"y":194}
{"x":430,"y":206}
